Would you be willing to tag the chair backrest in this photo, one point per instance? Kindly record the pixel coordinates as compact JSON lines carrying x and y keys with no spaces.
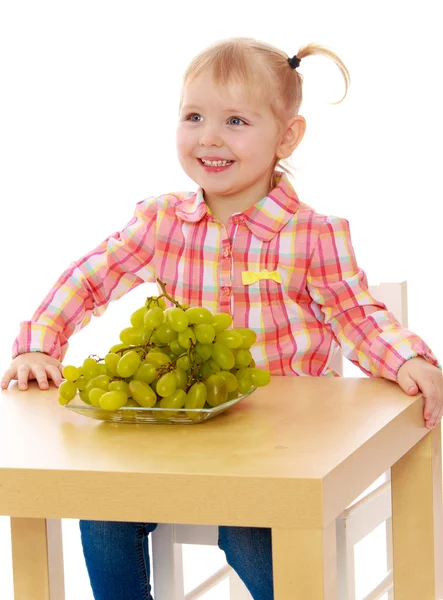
{"x":395,"y":296}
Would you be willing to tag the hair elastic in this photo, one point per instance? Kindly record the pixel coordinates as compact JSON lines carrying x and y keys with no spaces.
{"x":294,"y":62}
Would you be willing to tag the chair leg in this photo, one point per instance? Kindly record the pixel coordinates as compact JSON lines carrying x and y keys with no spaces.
{"x":237,"y":589}
{"x":37,"y":554}
{"x":389,"y":561}
{"x":345,"y":563}
{"x":167,"y":562}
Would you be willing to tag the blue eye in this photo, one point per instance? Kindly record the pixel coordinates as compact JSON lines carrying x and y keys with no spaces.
{"x":236,"y":121}
{"x":194,"y":117}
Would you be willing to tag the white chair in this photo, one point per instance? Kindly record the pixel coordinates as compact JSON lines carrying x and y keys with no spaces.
{"x":366,"y":513}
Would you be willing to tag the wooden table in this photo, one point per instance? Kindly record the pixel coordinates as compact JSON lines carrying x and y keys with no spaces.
{"x":291,"y":457}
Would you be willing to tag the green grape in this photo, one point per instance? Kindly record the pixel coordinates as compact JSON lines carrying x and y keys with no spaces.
{"x":128,"y":364}
{"x":70,"y":373}
{"x":177,"y":318}
{"x":117,"y":347}
{"x":137,"y":317}
{"x":154,"y":317}
{"x":153,"y":385}
{"x":231,"y":380}
{"x":165,"y":333}
{"x":233,"y":395}
{"x":155,"y":301}
{"x":94,"y":395}
{"x":196,"y":397}
{"x":131,"y":336}
{"x":84,"y":396}
{"x":221,"y":321}
{"x":204,"y":350}
{"x":167,"y":384}
{"x":157,"y":358}
{"x":223,"y":356}
{"x":198,"y":315}
{"x":185,"y":337}
{"x":206,"y":370}
{"x":249,"y":337}
{"x":214,"y":366}
{"x":102,"y":369}
{"x":175,"y":348}
{"x":216,"y":389}
{"x":90,"y":368}
{"x":142,"y":393}
{"x":252,"y":364}
{"x":204,"y":333}
{"x":131,"y":403}
{"x":243,"y":373}
{"x":183,"y":363}
{"x":146,"y":373}
{"x":154,"y":339}
{"x":182,"y":378}
{"x":81,"y":383}
{"x":120,"y":386}
{"x":66,"y":392}
{"x":230,"y":338}
{"x":113,"y":400}
{"x":175,"y":400}
{"x":99,"y":381}
{"x":111,"y":361}
{"x":244,"y":385}
{"x":147,"y":335}
{"x":259,"y":377}
{"x":197,"y":358}
{"x":242,"y":358}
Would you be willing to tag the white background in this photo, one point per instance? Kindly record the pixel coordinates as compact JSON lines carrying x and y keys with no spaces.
{"x":88,"y":105}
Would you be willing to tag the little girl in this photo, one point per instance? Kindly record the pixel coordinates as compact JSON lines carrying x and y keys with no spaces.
{"x":238,"y":121}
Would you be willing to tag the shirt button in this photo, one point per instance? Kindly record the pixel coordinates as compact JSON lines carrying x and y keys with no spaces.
{"x":226,"y":252}
{"x":226,"y":291}
{"x":238,"y":219}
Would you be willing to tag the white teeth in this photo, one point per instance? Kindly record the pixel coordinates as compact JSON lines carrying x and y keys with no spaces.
{"x":216,"y":163}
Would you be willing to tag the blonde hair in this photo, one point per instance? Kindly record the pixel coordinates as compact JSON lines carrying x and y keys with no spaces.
{"x":263,"y":69}
{"x":264,"y":72}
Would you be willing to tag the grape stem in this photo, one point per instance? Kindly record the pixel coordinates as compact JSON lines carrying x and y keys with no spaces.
{"x":166,"y":295}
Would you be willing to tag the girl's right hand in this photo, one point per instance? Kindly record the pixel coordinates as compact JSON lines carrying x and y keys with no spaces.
{"x":33,"y":365}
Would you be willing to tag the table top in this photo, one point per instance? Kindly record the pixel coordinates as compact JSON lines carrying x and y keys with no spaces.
{"x":315,"y":441}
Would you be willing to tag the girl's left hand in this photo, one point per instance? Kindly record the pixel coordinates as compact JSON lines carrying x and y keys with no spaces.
{"x":417,"y":374}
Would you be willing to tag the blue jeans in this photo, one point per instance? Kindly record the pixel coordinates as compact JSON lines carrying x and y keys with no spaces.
{"x":117,"y":558}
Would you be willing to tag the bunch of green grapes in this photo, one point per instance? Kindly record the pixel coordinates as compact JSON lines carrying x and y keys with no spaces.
{"x":174,"y":358}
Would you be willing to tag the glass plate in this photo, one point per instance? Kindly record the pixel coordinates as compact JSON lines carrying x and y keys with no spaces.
{"x":131,"y":414}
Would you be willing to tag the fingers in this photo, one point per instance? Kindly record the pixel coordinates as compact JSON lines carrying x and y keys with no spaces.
{"x":40,"y":374}
{"x":433,"y":408}
{"x":23,"y":376}
{"x":55,"y":374}
{"x":407,"y":384}
{"x":8,"y":376}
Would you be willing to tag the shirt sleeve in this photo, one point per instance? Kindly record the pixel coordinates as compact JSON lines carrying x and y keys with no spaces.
{"x":370,"y":336}
{"x":119,"y":264}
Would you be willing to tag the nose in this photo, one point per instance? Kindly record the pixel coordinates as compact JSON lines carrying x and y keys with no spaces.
{"x":210,"y":137}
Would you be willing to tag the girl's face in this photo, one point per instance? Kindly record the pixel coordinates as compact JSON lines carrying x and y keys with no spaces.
{"x":227,"y":144}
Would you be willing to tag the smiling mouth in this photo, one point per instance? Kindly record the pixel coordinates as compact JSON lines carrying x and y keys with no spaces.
{"x":215,"y":163}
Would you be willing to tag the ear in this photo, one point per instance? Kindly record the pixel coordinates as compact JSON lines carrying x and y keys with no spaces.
{"x":292,"y":135}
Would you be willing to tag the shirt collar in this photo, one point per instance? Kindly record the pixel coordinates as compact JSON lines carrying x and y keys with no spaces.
{"x":264,"y":219}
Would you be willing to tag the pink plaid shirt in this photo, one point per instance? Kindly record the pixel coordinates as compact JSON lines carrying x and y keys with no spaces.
{"x":318,"y":298}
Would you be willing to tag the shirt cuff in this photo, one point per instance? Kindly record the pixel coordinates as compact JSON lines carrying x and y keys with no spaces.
{"x":34,"y":337}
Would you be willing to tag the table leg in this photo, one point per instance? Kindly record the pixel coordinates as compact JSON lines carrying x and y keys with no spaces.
{"x":305,"y":564}
{"x":37,"y":558}
{"x":417,"y":524}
